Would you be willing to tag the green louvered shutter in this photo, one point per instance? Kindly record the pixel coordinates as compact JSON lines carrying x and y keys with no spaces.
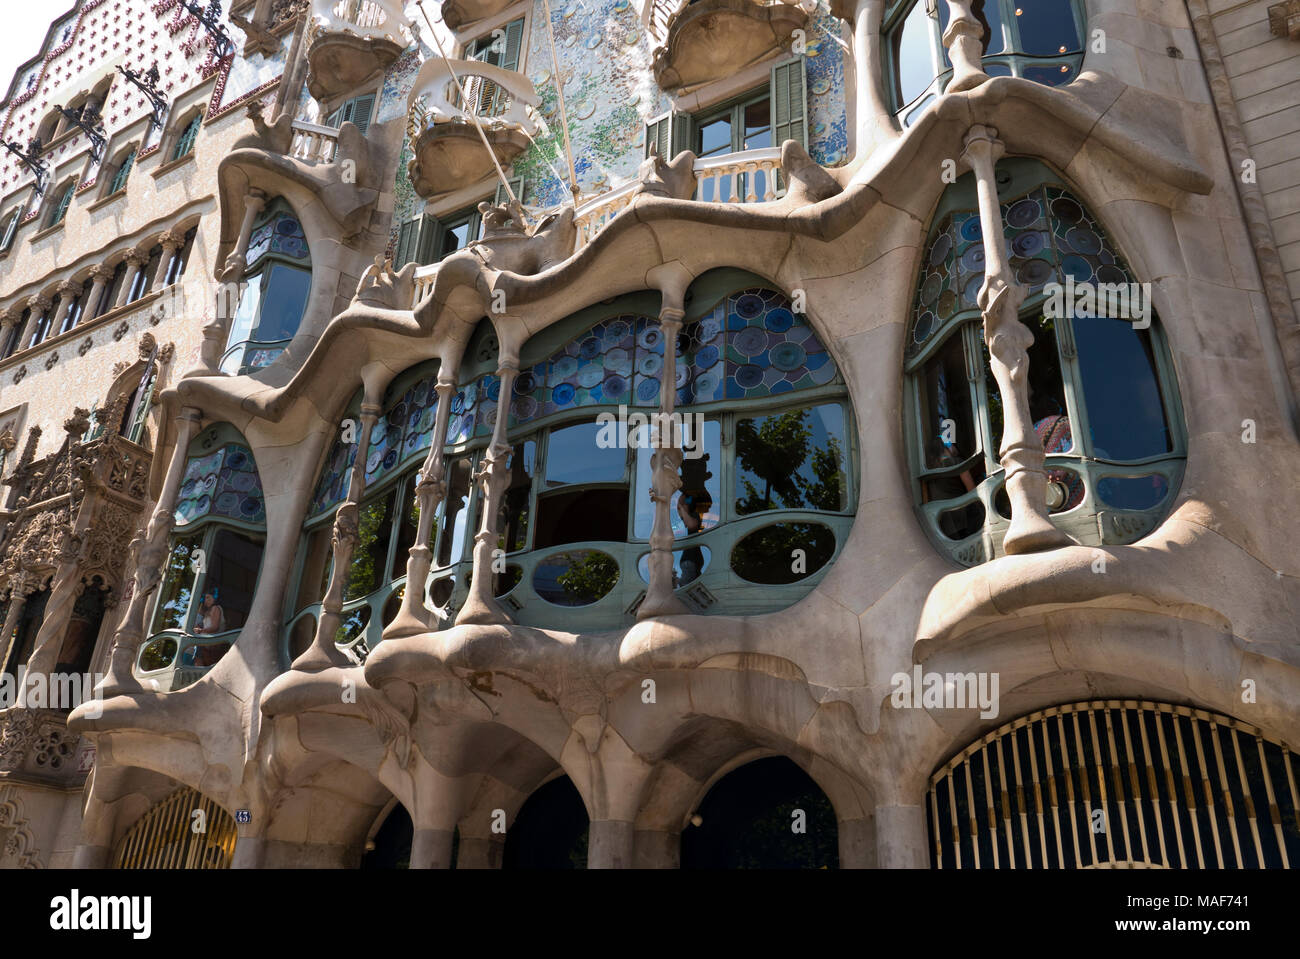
{"x":514,"y":42}
{"x":670,"y":135}
{"x":430,"y":234}
{"x":790,"y":103}
{"x":408,"y":235}
{"x":516,"y":184}
{"x":362,"y":109}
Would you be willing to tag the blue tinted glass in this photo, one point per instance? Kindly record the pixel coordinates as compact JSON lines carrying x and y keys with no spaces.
{"x":913,"y":54}
{"x":1046,"y":27}
{"x":574,"y":455}
{"x":1133,"y":492}
{"x":283,"y":302}
{"x":1053,"y":75}
{"x":991,"y":19}
{"x":1126,"y":416}
{"x":791,"y":460}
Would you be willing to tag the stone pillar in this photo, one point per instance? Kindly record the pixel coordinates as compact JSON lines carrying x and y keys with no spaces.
{"x":67,"y":296}
{"x":17,"y":602}
{"x":8,"y":320}
{"x":857,"y":843}
{"x":493,"y":477}
{"x":477,"y":852}
{"x":230,"y":276}
{"x":431,"y":849}
{"x":656,"y":849}
{"x":611,"y":843}
{"x":902,"y":840}
{"x":39,"y":305}
{"x":170,"y":244}
{"x":1008,"y":342}
{"x":665,"y":478}
{"x":249,"y":852}
{"x":413,"y":617}
{"x":134,"y":263}
{"x":101,"y":275}
{"x":323,"y":653}
{"x":150,"y":547}
{"x":66,"y":584}
{"x":962,"y":39}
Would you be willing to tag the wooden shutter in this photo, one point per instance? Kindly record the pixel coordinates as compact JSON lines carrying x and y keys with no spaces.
{"x":10,"y":228}
{"x":363,"y":109}
{"x":426,"y":249}
{"x":790,"y":103}
{"x":670,"y":134}
{"x":514,"y":42}
{"x":407,"y":236}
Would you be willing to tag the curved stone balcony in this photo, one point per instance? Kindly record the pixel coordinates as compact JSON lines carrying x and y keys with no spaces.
{"x":698,"y":42}
{"x":448,"y":151}
{"x":352,"y":42}
{"x":457,"y":13}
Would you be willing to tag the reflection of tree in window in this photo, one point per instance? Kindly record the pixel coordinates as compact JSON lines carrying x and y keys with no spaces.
{"x":514,"y":505}
{"x":791,"y":460}
{"x":177,"y":585}
{"x":371,"y":553}
{"x":769,"y":556}
{"x":590,"y":577}
{"x":232,"y":574}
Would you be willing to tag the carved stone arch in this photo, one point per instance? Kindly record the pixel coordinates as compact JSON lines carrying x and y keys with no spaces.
{"x":126,"y":380}
{"x":17,"y":845}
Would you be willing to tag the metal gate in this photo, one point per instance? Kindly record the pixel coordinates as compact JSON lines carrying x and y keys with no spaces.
{"x":1124,"y":784}
{"x":186,"y":830}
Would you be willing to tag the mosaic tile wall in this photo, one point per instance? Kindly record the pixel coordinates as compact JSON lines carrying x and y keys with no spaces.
{"x":610,"y":93}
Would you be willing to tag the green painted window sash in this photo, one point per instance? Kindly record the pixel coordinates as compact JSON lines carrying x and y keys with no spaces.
{"x":123,"y":172}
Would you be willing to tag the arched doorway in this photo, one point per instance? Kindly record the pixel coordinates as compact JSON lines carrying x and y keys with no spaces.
{"x":768,"y":814}
{"x":550,"y":830}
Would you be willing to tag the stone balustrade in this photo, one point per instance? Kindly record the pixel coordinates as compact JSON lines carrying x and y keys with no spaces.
{"x":313,"y":143}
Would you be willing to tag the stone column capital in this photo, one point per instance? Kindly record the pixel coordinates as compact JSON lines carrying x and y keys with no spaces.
{"x":671,"y":315}
{"x":982,"y":144}
{"x":39,"y":302}
{"x":172,"y":241}
{"x":102,"y":273}
{"x":69,"y":286}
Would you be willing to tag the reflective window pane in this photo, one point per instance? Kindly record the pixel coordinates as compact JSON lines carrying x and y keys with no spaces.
{"x":228,"y":585}
{"x":574,"y":456}
{"x":947,"y":421}
{"x":1046,"y":27}
{"x":578,"y":578}
{"x":513,"y":522}
{"x":1126,"y":415}
{"x":455,"y":513}
{"x":989,"y":13}
{"x":695,"y":507}
{"x":177,"y":584}
{"x":765,"y":555}
{"x":913,"y":54}
{"x":283,"y":302}
{"x":792,"y":460}
{"x":369,"y":558}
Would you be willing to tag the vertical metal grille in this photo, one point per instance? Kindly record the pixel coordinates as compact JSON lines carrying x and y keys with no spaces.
{"x":1117,"y":783}
{"x":164,"y":838}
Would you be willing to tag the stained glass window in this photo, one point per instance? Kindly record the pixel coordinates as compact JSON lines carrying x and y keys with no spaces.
{"x":223,"y":483}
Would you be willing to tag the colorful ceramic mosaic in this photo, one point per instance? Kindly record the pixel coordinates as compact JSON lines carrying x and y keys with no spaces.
{"x":222,"y":484}
{"x":1048,"y":234}
{"x":769,"y":349}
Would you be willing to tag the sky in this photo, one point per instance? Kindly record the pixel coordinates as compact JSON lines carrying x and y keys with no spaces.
{"x":25,"y":24}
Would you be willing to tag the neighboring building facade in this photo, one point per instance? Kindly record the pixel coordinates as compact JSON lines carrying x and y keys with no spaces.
{"x":854,"y":435}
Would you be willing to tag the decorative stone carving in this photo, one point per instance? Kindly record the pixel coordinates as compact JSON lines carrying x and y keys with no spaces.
{"x":120,"y":331}
{"x":1284,"y":19}
{"x":85,"y":346}
{"x":710,"y":39}
{"x":673,"y":178}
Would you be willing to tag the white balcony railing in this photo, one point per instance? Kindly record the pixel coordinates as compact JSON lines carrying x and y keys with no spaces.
{"x":746,"y":177}
{"x":496,"y":96}
{"x":424,"y":277}
{"x":377,"y":19}
{"x":313,"y":143}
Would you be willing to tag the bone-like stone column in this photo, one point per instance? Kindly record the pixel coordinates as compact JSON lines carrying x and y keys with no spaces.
{"x":323,"y":653}
{"x":413,"y":617}
{"x":665,"y":478}
{"x":226,"y":300}
{"x":902,"y":840}
{"x":493,"y":477}
{"x":1008,"y":342}
{"x":962,"y":38}
{"x":151,"y":548}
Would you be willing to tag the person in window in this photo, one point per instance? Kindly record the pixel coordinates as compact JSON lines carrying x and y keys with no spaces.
{"x":1053,"y":429}
{"x":692,"y":507}
{"x":212,"y":618}
{"x":944,"y":455}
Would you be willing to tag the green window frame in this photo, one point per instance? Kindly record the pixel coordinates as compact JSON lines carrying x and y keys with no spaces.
{"x":1095,"y":495}
{"x":185,"y":141}
{"x":358,"y":110}
{"x":11,"y":229}
{"x":502,"y":47}
{"x":424,"y":240}
{"x":123,"y":172}
{"x":920,"y":25}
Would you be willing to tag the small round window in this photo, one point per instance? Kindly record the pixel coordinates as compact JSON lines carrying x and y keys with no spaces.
{"x":578,"y":577}
{"x":783,"y":553}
